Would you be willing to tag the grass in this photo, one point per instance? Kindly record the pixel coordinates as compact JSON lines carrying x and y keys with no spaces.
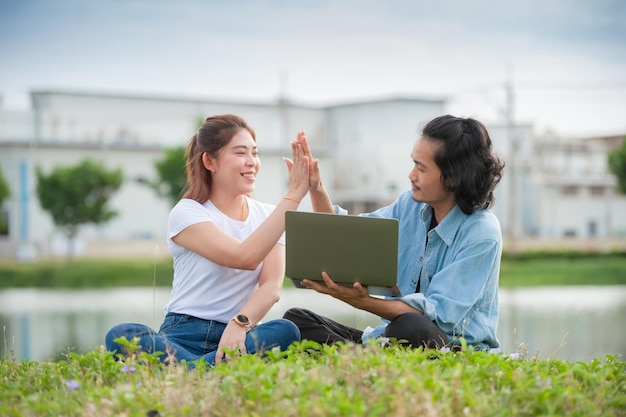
{"x":521,"y":270}
{"x":86,"y":273}
{"x":563,"y":268}
{"x":314,"y":380}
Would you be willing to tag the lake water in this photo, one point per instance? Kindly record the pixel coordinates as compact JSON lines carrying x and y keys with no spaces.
{"x":572,"y":323}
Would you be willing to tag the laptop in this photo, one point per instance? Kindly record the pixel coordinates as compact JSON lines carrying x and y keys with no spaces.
{"x":349,"y":248}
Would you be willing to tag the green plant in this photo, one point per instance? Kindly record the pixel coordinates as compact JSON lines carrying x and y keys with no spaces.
{"x":5,"y":192}
{"x":171,"y":175}
{"x":617,"y":165}
{"x":314,"y":380}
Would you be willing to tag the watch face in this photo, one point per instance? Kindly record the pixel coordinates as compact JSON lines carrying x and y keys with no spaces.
{"x":243,"y":319}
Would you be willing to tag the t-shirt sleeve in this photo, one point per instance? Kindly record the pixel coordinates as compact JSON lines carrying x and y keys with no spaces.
{"x":267,"y":209}
{"x":184,"y":214}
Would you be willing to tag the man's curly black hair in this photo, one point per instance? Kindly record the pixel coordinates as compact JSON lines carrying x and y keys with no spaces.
{"x":468,"y":167}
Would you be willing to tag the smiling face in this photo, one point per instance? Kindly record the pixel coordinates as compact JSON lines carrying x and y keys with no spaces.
{"x":426,"y":180}
{"x":237,"y":165}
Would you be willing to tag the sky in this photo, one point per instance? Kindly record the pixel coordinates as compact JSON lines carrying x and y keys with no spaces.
{"x":564,"y":61}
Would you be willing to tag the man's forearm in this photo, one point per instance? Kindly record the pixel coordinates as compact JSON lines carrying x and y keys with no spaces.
{"x":387,"y":309}
{"x":320,"y":200}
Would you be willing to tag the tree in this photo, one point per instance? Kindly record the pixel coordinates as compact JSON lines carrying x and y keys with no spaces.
{"x":5,"y":192}
{"x":172,"y":178}
{"x":617,"y":165}
{"x":77,"y":195}
{"x":171,"y":175}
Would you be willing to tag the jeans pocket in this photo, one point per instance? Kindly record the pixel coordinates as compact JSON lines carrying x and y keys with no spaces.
{"x":172,"y":320}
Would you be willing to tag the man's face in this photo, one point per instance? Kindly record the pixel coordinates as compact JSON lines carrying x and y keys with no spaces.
{"x":426,"y":176}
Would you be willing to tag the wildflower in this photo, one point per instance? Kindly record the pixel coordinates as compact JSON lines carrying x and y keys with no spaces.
{"x":128,"y":369}
{"x":445,"y":349}
{"x":543,"y":383}
{"x":494,"y":350}
{"x":515,"y":355}
{"x":71,"y":385}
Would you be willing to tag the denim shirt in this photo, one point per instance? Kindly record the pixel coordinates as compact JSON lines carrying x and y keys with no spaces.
{"x":459,"y":267}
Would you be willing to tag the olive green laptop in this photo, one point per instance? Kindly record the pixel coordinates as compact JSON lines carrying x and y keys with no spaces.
{"x":349,"y":248}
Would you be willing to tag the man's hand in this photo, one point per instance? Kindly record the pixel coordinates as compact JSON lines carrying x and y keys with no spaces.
{"x":357,"y":295}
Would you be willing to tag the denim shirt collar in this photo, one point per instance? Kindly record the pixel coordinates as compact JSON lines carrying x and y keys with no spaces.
{"x":450,"y":224}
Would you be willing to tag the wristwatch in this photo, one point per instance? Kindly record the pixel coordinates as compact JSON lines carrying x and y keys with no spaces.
{"x":242,"y":320}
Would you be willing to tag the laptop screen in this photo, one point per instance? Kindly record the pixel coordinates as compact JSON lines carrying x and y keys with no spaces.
{"x":349,"y":248}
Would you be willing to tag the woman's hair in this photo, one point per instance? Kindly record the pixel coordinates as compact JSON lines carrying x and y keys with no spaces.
{"x":215,"y":133}
{"x":468,"y":167}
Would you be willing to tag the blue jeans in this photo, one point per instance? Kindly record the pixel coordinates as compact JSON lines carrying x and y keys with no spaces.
{"x":189,"y":338}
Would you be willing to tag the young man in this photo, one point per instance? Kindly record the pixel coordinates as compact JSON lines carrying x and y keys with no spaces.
{"x":449,"y":251}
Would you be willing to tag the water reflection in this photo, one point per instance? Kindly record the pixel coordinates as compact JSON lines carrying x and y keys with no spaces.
{"x":573,"y":323}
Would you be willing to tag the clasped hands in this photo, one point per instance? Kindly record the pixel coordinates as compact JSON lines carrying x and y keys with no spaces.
{"x":300,"y":148}
{"x":355,"y":295}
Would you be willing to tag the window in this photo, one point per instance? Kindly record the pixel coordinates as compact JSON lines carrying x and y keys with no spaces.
{"x":592,"y":228}
{"x":569,"y":233}
{"x":596,"y":190}
{"x":569,"y":190}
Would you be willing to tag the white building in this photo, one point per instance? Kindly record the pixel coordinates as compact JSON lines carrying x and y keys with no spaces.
{"x":130,"y":132}
{"x":364,"y":150}
{"x":575,"y":195}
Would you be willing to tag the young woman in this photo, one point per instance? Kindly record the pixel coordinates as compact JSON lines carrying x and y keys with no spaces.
{"x":228,"y":252}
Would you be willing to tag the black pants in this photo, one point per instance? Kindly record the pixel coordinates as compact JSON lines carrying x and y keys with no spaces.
{"x":416,"y":329}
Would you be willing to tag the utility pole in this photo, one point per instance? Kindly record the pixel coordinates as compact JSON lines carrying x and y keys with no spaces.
{"x":514,"y":227}
{"x":283,"y":103}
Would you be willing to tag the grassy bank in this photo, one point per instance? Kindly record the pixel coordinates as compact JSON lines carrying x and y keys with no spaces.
{"x":339,"y":381}
{"x":563,"y":268}
{"x":525,"y":269}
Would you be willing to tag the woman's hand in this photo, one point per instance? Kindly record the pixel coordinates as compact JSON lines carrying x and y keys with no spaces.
{"x":319,"y":197}
{"x":233,"y":339}
{"x":315,"y":178}
{"x":298,"y":171}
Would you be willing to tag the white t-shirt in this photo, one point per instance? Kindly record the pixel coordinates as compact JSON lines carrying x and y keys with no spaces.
{"x":202,"y":288}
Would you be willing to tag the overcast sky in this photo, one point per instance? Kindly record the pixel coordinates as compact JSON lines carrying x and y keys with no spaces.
{"x":565,"y":59}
